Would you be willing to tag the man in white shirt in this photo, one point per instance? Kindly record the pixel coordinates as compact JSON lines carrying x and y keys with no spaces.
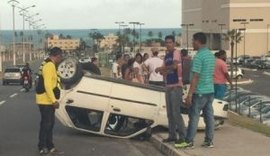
{"x":151,"y":64}
{"x":116,"y":70}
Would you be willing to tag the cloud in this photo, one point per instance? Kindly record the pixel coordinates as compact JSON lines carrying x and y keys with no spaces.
{"x":101,"y":13}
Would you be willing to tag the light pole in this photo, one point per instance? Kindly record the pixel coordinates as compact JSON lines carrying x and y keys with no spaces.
{"x":141,"y":35}
{"x":120,"y":41}
{"x":221,"y":33}
{"x":133,"y":23}
{"x":123,"y":43}
{"x":13,"y":4}
{"x":187,"y":26}
{"x":23,"y":13}
{"x":267,"y":39}
{"x":245,"y":23}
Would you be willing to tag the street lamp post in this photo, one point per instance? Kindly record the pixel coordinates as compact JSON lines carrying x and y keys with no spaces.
{"x":133,"y":23}
{"x":221,"y":32}
{"x":141,"y":35}
{"x":245,"y":23}
{"x":13,"y":4}
{"x":23,"y":13}
{"x":123,"y":44}
{"x":187,"y":27}
{"x":267,"y":39}
{"x":120,"y":42}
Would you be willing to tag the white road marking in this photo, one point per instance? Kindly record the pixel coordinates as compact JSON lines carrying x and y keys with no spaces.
{"x":13,"y":95}
{"x":2,"y":102}
{"x":22,"y":90}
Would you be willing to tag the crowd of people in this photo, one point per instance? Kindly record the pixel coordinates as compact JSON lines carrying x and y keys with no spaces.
{"x":207,"y":75}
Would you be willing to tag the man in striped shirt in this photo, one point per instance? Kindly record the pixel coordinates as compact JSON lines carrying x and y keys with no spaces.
{"x":201,"y":93}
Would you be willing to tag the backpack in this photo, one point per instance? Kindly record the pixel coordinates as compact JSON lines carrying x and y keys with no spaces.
{"x":40,"y":88}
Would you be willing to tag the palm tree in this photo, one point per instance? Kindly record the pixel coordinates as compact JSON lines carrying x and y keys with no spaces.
{"x":160,"y":35}
{"x":150,"y":34}
{"x":233,"y":36}
{"x":97,"y":37}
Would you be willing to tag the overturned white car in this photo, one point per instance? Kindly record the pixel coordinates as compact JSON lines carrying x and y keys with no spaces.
{"x":115,"y":108}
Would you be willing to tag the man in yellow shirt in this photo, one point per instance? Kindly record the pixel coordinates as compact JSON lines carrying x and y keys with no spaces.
{"x":47,"y":93}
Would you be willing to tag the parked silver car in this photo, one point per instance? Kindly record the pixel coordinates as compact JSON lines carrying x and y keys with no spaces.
{"x":12,"y":75}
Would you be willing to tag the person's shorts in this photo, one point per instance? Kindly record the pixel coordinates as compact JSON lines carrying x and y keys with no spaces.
{"x":220,"y":90}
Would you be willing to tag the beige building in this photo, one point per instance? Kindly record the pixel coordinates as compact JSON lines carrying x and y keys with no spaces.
{"x":65,"y":44}
{"x":109,"y":41}
{"x":215,"y":17}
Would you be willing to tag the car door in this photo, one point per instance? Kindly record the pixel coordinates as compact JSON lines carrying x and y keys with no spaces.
{"x":87,"y":104}
{"x":132,"y":108}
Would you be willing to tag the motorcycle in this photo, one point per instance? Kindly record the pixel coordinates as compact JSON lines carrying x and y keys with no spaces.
{"x":26,"y":84}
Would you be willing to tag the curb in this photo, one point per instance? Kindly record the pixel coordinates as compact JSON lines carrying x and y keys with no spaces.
{"x":166,"y":148}
{"x":248,"y":69}
{"x":266,"y":73}
{"x":243,"y":82}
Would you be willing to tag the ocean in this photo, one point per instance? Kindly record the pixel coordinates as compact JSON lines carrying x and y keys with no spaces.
{"x":6,"y":35}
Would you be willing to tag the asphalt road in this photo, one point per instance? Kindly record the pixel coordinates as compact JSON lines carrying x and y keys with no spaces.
{"x":261,"y":82}
{"x":19,"y":125}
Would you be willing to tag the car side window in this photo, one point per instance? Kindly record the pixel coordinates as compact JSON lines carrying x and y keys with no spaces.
{"x":85,"y":118}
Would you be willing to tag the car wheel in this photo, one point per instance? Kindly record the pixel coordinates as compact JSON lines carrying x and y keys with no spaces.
{"x":70,"y":71}
{"x":239,"y":77}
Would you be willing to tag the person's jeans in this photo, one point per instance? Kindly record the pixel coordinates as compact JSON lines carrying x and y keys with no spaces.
{"x":173,"y":102}
{"x":220,"y":90}
{"x":46,"y":126}
{"x":201,"y":102}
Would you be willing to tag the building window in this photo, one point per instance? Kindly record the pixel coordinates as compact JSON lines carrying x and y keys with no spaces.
{"x":239,"y":20}
{"x":256,"y":20}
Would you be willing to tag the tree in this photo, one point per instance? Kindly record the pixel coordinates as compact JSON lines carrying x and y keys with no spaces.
{"x":173,"y":33}
{"x":97,"y":37}
{"x":61,"y":36}
{"x":160,"y":35}
{"x":69,"y":37}
{"x":150,"y":34}
{"x":233,"y":36}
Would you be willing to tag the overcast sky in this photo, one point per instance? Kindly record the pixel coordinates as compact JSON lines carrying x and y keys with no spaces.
{"x":87,"y":14}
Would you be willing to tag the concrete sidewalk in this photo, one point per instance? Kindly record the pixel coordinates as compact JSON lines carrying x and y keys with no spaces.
{"x":229,"y":141}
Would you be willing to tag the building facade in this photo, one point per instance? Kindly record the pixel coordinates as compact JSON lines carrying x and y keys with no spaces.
{"x":216,"y":17}
{"x":109,"y":41}
{"x":66,"y":45}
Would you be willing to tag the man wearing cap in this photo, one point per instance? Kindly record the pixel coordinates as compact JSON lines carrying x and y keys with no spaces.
{"x":47,"y":93}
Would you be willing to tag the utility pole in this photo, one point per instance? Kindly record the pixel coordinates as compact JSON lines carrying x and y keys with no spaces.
{"x":141,"y":35}
{"x":244,"y":23}
{"x":267,"y":40}
{"x":133,"y":33}
{"x":120,"y":40}
{"x":13,"y":4}
{"x":221,"y":33}
{"x":23,"y":13}
{"x":187,"y":27}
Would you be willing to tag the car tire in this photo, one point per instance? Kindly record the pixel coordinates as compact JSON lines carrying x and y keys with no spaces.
{"x":239,"y":77}
{"x":70,"y":71}
{"x":3,"y":83}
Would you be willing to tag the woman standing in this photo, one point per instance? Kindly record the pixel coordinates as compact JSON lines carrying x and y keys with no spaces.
{"x":138,"y":71}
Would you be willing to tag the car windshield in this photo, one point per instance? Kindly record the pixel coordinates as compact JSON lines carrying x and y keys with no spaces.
{"x":12,"y":70}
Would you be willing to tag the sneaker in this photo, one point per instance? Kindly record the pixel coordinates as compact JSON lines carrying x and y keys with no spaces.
{"x":168,"y":140}
{"x":55,"y":151}
{"x":207,"y":144}
{"x":184,"y":145}
{"x":43,"y":151}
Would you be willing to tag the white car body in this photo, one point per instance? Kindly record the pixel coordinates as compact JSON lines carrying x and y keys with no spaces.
{"x":236,"y":73}
{"x":104,"y":101}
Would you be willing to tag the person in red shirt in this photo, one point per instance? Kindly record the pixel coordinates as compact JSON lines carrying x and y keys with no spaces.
{"x":221,"y":75}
